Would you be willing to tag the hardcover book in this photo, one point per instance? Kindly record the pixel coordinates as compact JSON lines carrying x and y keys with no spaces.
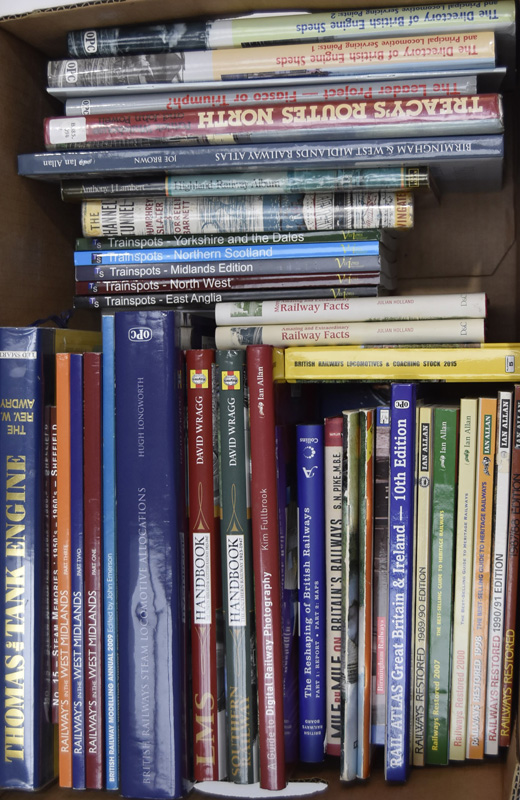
{"x":239,"y":213}
{"x":237,"y":569}
{"x":149,"y":598}
{"x":400,"y":578}
{"x":209,"y":757}
{"x":266,"y":565}
{"x":311,"y":590}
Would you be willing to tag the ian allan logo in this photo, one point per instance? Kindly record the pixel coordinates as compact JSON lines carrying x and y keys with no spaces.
{"x":140,"y":334}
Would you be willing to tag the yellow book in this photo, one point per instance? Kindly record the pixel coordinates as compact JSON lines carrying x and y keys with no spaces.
{"x":484,"y":362}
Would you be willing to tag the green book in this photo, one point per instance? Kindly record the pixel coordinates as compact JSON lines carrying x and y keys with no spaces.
{"x":443,"y":516}
{"x":237,"y":578}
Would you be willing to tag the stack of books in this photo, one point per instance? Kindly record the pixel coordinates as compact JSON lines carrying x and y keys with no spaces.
{"x":231,"y":149}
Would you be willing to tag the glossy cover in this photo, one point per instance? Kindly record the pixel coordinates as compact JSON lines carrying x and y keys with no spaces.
{"x":149,"y":603}
{"x":27,"y":735}
{"x":400,"y":578}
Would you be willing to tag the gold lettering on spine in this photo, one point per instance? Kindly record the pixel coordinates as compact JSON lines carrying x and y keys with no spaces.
{"x":14,"y":621}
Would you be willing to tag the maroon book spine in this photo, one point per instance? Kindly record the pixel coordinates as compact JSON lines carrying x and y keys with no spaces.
{"x":93,"y":522}
{"x":141,"y":286}
{"x":266,"y":563}
{"x":204,"y":564}
{"x":513,"y":555}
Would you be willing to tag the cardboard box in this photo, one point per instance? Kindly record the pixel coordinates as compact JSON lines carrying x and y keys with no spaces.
{"x":466,"y":243}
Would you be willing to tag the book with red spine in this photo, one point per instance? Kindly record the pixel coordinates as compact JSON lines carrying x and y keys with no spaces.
{"x":208,"y":737}
{"x":348,"y":119}
{"x":92,"y":487}
{"x":513,"y":556}
{"x":266,"y":564}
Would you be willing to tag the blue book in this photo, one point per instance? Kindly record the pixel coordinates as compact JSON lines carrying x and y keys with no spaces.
{"x":179,"y":255}
{"x":27,"y":761}
{"x":109,"y":559}
{"x":149,"y":555}
{"x":456,"y":162}
{"x":400,"y":579}
{"x":77,"y":571}
{"x":311,"y":590}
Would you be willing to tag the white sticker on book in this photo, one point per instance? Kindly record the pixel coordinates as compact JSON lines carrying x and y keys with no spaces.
{"x":68,"y":130}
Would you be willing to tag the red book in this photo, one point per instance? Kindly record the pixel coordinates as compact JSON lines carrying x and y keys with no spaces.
{"x":266,"y":564}
{"x":513,"y":555}
{"x":337,"y":118}
{"x":204,"y":548}
{"x":92,"y":487}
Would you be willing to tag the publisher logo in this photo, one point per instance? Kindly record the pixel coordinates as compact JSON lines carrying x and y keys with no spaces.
{"x":199,"y":379}
{"x":90,"y":42}
{"x":71,"y":72}
{"x":231,"y":380}
{"x":402,"y":404}
{"x":140,"y":334}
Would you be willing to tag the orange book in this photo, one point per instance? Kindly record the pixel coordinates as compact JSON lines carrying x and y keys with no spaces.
{"x":64,"y":566}
{"x":483,"y":532}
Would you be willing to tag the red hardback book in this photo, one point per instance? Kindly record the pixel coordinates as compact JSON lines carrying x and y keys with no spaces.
{"x":513,"y":554}
{"x":350,"y":119}
{"x":92,"y":487}
{"x":204,"y":565}
{"x":266,"y":564}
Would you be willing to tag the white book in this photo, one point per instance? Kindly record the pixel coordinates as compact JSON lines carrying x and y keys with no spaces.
{"x":498,"y":571}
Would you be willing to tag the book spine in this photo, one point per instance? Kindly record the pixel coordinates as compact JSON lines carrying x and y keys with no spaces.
{"x":77,"y":547}
{"x":288,"y":534}
{"x":424,"y":466}
{"x":356,"y":333}
{"x":237,"y":569}
{"x":443,"y":517}
{"x":123,"y":285}
{"x":198,"y":301}
{"x":149,"y":602}
{"x":236,"y":213}
{"x":54,"y":604}
{"x":208,"y":749}
{"x":400,"y":578}
{"x":93,"y":477}
{"x":221,"y":98}
{"x":431,"y":150}
{"x":333,"y":459}
{"x":110,"y":650}
{"x":478,"y":363}
{"x":171,"y":255}
{"x":498,"y":570}
{"x":481,"y":577}
{"x":27,"y":739}
{"x":311,"y":591}
{"x":382,"y":308}
{"x":330,"y":119}
{"x":380,"y":574}
{"x":247,"y":32}
{"x":251,"y":183}
{"x":350,"y":595}
{"x":64,"y":568}
{"x":366,"y":544}
{"x":513,"y":551}
{"x":276,"y":60}
{"x":266,"y":564}
{"x":260,"y":265}
{"x":222,"y":240}
{"x":463,"y":576}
